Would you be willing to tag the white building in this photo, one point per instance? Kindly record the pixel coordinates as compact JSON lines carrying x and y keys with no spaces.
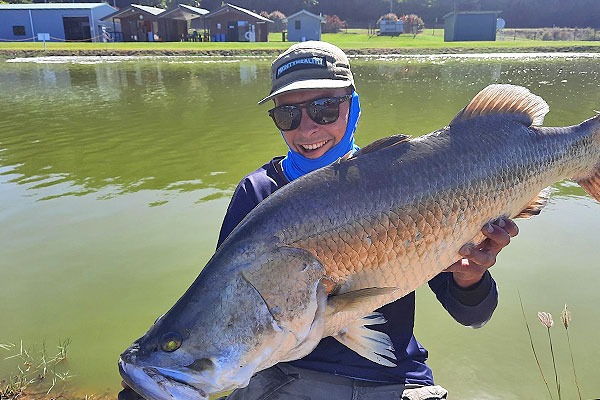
{"x":303,"y":26}
{"x":61,"y":21}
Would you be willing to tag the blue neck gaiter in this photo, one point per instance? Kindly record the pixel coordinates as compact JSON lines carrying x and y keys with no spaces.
{"x":295,"y":165}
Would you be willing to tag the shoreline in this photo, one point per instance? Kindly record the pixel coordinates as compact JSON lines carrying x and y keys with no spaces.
{"x":22,"y":53}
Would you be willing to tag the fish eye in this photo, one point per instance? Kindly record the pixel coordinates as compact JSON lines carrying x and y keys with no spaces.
{"x":171,"y":341}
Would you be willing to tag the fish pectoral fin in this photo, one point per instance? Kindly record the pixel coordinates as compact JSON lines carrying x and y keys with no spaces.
{"x":507,"y":100}
{"x":381,"y":144}
{"x":536,"y":205}
{"x":347,"y":302}
{"x":370,"y":344}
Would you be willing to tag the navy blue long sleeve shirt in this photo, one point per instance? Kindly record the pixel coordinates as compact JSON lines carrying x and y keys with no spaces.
{"x":471,"y":307}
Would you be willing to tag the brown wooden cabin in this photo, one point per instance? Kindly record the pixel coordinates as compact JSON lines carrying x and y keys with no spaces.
{"x":177,"y":23}
{"x":235,"y":24}
{"x":138,"y":23}
{"x":148,"y":24}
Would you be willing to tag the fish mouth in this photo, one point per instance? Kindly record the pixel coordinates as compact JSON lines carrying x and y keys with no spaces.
{"x":159,"y":383}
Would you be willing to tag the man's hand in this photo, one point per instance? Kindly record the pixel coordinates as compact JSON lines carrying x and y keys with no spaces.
{"x":478,"y":259}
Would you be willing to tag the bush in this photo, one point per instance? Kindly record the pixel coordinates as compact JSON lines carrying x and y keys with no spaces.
{"x":333,"y":24}
{"x":388,"y":17}
{"x":277,"y":17}
{"x":412,"y":23}
{"x":588,"y":34}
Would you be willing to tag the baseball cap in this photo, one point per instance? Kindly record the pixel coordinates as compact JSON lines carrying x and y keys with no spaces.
{"x":310,"y":65}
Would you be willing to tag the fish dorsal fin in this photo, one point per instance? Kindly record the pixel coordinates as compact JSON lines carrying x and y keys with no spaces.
{"x":536,"y":205}
{"x":381,"y":144}
{"x":505,"y":99}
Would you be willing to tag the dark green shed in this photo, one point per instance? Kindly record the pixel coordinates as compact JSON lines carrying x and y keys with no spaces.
{"x":470,"y":26}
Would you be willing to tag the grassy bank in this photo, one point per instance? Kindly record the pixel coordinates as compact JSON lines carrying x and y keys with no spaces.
{"x":353,"y":41}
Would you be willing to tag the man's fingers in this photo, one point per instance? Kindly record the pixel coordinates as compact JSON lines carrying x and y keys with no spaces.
{"x":457,"y":266}
{"x":508,"y":225}
{"x":498,"y":237}
{"x":486,"y":258}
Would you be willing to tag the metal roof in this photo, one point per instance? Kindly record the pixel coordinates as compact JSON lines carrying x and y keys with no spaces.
{"x":195,"y":9}
{"x":148,"y":9}
{"x":228,"y":7}
{"x":470,"y":13}
{"x":134,"y":9}
{"x":307,"y":13}
{"x":184,"y":12}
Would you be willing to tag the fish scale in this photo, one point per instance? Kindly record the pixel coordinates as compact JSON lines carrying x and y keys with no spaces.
{"x":390,"y":236}
{"x":317,"y":257}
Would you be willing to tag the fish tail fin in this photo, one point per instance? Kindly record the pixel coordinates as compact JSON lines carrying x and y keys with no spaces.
{"x":591,"y":182}
{"x":370,"y":344}
{"x":592,"y":185}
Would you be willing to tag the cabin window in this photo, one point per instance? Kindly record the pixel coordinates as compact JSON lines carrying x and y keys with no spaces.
{"x":18,"y":30}
{"x":297,"y":25}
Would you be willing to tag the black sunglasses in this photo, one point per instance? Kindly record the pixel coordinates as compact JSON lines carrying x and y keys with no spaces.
{"x":323,"y":111}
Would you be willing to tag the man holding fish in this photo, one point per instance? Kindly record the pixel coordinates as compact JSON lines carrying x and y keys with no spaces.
{"x":317,"y":111}
{"x":310,"y":294}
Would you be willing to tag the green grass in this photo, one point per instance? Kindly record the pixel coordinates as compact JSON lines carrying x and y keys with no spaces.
{"x":141,"y":46}
{"x":434,"y":39}
{"x":356,"y":39}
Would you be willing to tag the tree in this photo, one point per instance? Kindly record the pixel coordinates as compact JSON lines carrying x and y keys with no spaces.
{"x":388,"y":17}
{"x":412,"y":23}
{"x":467,"y":5}
{"x":333,"y":24}
{"x":277,"y":17}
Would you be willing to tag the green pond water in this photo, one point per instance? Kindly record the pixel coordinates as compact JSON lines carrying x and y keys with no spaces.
{"x":115,"y":175}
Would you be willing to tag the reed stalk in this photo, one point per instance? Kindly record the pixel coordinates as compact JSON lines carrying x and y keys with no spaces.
{"x":537,"y":360}
{"x":546,"y":320}
{"x":565,"y":317}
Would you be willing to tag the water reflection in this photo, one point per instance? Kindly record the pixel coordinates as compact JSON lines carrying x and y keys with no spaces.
{"x":134,"y":126}
{"x":186,"y":126}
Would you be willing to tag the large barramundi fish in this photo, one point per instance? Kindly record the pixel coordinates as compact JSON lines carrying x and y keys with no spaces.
{"x":317,"y":257}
